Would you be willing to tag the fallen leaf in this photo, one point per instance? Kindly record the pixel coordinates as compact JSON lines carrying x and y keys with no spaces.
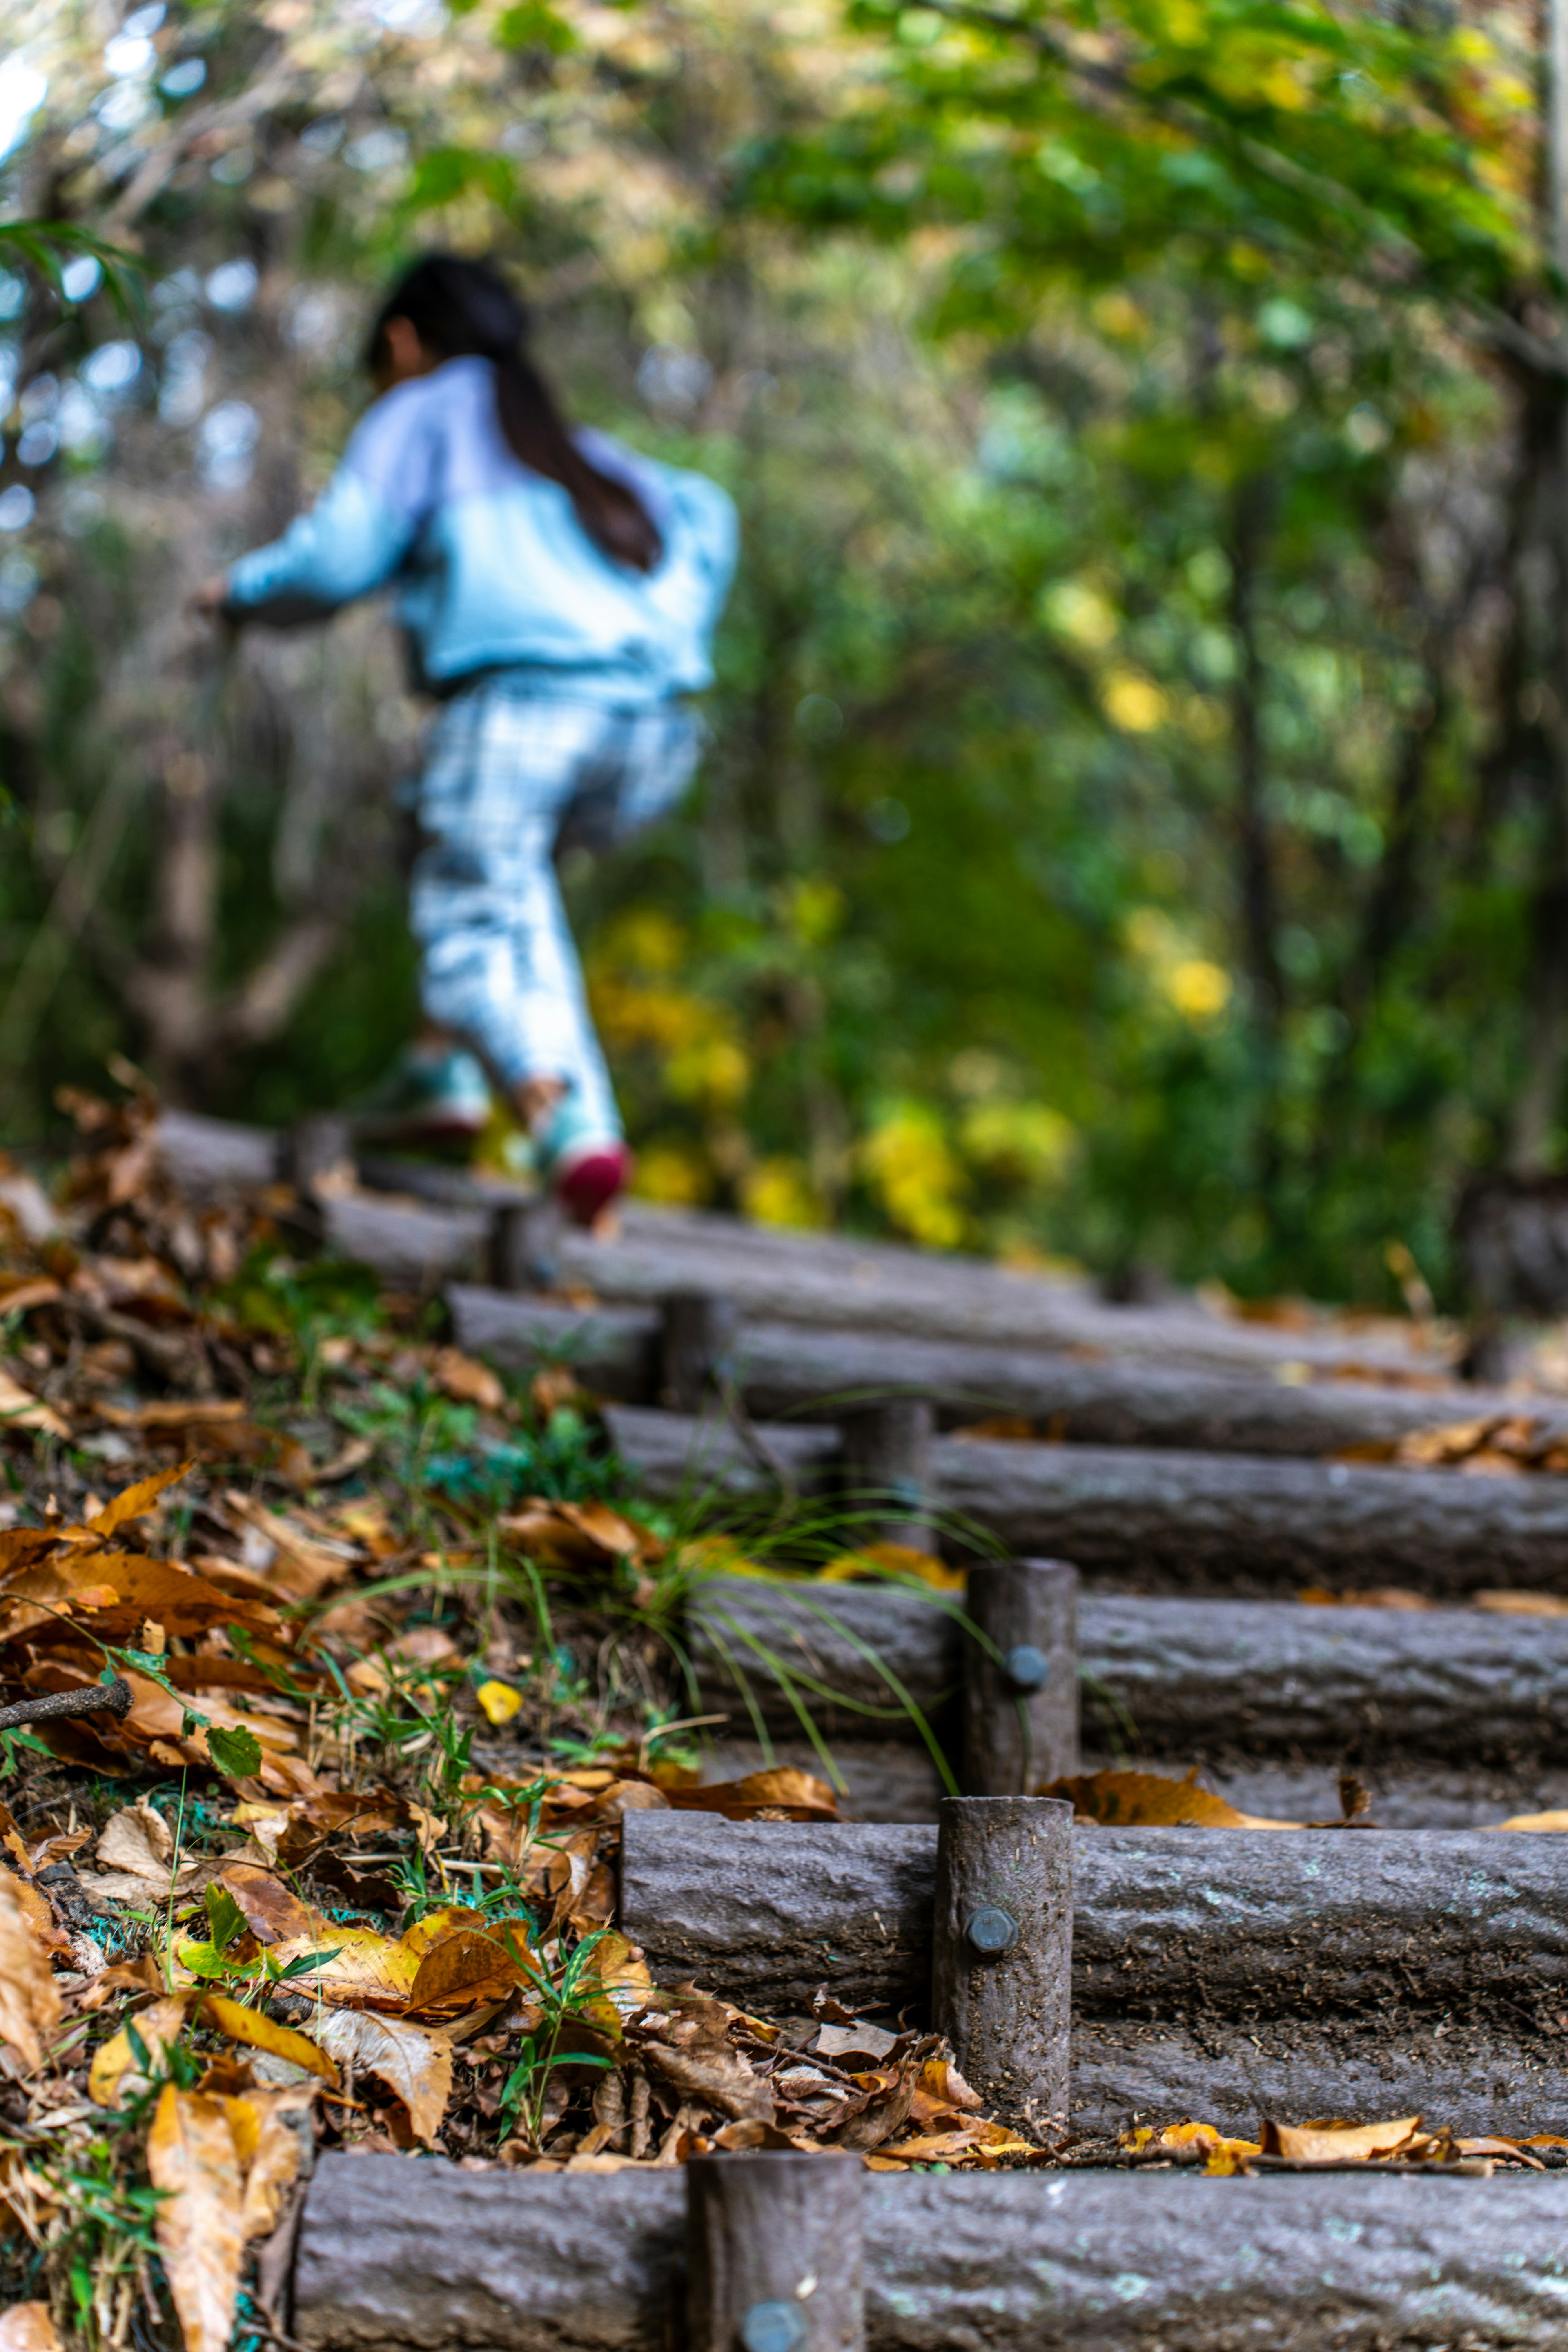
{"x":35,"y":1908}
{"x":467,"y":1380}
{"x":28,"y":2327}
{"x":363,"y":1967}
{"x":273,"y":1913}
{"x":410,"y":2060}
{"x":1147,"y":1800}
{"x":1315,"y":2144}
{"x":1521,"y":1604}
{"x":20,"y":1408}
{"x":138,"y":1840}
{"x":785,"y":1793}
{"x":191,"y":2157}
{"x":498,"y":1701}
{"x":29,"y":2002}
{"x":893,"y":1559}
{"x":278,"y":2123}
{"x":117,"y":2072}
{"x":260,"y":2031}
{"x":135,"y":1502}
{"x":1550,"y":1822}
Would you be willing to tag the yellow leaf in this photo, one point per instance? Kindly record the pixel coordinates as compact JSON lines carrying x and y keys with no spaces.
{"x":893,"y":1559}
{"x":499,"y":1701}
{"x":135,"y":1503}
{"x":409,"y":2059}
{"x":1310,"y":2144}
{"x":191,"y":2157}
{"x":273,"y":2126}
{"x":117,"y":2070}
{"x":259,"y":2032}
{"x":29,"y":2004}
{"x":364,"y":1967}
{"x":1558,"y":1821}
{"x":1147,"y":1800}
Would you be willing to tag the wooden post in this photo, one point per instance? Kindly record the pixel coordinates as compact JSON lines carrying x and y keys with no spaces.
{"x":697,"y":1332}
{"x":320,"y":1146}
{"x":886,"y":1470}
{"x":774,"y":2252}
{"x":1020,"y":1708}
{"x":521,"y":1244}
{"x":1002,"y":1950}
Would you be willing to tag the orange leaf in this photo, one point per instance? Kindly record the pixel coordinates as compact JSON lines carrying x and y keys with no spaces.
{"x":1147,"y":1800}
{"x":1314,"y":2145}
{"x":271,"y":2127}
{"x":786,"y":1790}
{"x":135,"y":1503}
{"x":28,"y":2327}
{"x":191,"y":2157}
{"x":29,"y":2004}
{"x":364,"y":1968}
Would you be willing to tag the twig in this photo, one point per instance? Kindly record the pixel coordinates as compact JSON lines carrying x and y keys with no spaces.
{"x":175,"y":1359}
{"x":114,"y":1696}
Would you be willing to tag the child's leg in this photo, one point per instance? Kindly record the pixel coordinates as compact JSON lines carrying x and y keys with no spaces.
{"x":499,"y":964}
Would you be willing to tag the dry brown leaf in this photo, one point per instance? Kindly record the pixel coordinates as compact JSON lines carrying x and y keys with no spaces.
{"x":467,"y":1380}
{"x":459,"y":1969}
{"x":20,"y":1408}
{"x":191,"y":2157}
{"x":138,"y":1840}
{"x":1505,"y":1603}
{"x":273,"y":1913}
{"x":35,"y":1908}
{"x":29,"y":2003}
{"x":117,"y":2071}
{"x":260,"y":2031}
{"x":1149,"y":1801}
{"x":410,"y":2060}
{"x":134,"y":1502}
{"x":785,"y":1793}
{"x":1318,"y":2144}
{"x":28,"y":2327}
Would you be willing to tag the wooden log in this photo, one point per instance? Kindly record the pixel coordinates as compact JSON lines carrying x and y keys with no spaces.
{"x":1002,"y":1952}
{"x":1230,"y":1522}
{"x":410,"y":1246}
{"x":1173,"y":1521}
{"x":886,"y":1471}
{"x":1224,"y":1973}
{"x":1176,"y":1679}
{"x":209,"y":1158}
{"x":774,"y":2252}
{"x":430,"y":2258}
{"x":696,"y":1333}
{"x":1020,"y":1676}
{"x":787,"y":1372}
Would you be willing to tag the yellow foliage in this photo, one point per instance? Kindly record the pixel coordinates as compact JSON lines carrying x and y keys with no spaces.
{"x":1076,"y":609}
{"x":1133,"y":702}
{"x":778,"y":1192}
{"x":1117,"y":314}
{"x":711,"y":1069}
{"x":671,"y":1173}
{"x":1200,"y":991}
{"x":1021,"y":1142}
{"x":911,"y":1167}
{"x":816,"y":909}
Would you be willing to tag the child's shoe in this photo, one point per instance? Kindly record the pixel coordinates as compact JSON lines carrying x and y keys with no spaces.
{"x":431,"y":1096}
{"x":584,"y":1169}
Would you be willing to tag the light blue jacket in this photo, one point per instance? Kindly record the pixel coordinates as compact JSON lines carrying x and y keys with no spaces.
{"x":489,"y":566}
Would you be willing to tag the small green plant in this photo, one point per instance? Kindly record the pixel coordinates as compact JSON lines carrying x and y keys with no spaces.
{"x":565,"y":1998}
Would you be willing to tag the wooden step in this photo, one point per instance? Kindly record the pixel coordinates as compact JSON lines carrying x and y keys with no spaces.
{"x":434,"y":2257}
{"x":1220,"y":1973}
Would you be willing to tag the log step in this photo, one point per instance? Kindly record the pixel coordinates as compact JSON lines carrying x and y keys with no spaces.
{"x":1166,"y":1519}
{"x":1176,"y":1679}
{"x":433,"y":2257}
{"x":1222,"y":1973}
{"x":785,"y":1372}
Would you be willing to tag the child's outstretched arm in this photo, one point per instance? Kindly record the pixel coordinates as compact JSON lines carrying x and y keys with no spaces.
{"x":351,"y":542}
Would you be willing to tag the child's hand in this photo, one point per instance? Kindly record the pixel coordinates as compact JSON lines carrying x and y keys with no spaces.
{"x":208,"y":601}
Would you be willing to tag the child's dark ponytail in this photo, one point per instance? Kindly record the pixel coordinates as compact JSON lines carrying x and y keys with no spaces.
{"x":461,"y":308}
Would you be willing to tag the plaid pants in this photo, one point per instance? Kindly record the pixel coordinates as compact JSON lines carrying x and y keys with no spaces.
{"x":513,"y":770}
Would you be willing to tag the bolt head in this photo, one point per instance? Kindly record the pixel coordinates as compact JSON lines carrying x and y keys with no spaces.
{"x":991,"y":1931}
{"x":774,"y":2327}
{"x":1027,"y":1668}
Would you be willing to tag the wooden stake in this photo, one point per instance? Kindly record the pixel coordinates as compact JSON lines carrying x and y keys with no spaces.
{"x":1020,"y":1708}
{"x":321,"y":1145}
{"x":1001,"y":1951}
{"x":697,"y":1331}
{"x":521,"y":1244}
{"x":774,"y":2252}
{"x":886,"y":1470}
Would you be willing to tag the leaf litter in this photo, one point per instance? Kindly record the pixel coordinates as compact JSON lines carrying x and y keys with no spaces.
{"x":392,"y":1640}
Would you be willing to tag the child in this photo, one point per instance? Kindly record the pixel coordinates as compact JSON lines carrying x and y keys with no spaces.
{"x":559,"y":594}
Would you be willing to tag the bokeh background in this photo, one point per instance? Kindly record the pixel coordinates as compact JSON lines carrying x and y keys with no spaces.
{"x":1135,"y":826}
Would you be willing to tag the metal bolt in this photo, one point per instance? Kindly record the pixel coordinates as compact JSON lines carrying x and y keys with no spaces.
{"x":990,"y":1931}
{"x":774,"y":2327}
{"x":1027,"y":1668}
